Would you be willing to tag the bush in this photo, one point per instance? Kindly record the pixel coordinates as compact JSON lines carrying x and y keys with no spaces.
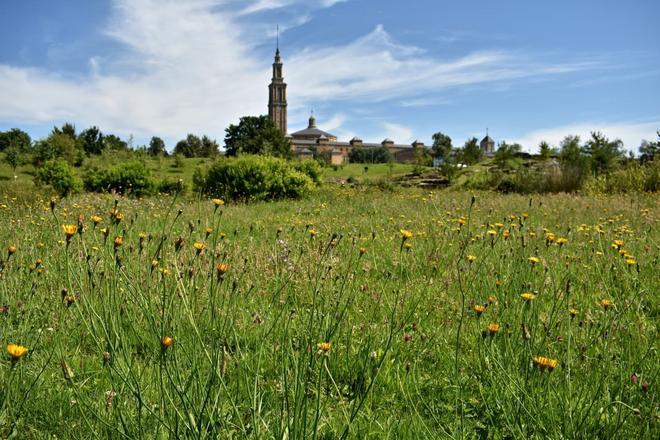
{"x":310,"y":168}
{"x":631,"y":179}
{"x":370,"y":155}
{"x":256,"y":178}
{"x":132,"y":178}
{"x":60,"y":176}
{"x":169,"y":186}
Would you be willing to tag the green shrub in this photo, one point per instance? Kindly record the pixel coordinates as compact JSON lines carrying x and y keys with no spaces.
{"x":311,"y":168}
{"x":255,"y":178}
{"x":630,"y":179}
{"x":133,"y":178}
{"x":170,"y":186}
{"x":60,"y":176}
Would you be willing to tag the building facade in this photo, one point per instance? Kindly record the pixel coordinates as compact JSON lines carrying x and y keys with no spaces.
{"x":307,"y":141}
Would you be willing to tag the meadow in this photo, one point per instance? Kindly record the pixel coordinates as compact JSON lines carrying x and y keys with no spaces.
{"x":356,"y":313}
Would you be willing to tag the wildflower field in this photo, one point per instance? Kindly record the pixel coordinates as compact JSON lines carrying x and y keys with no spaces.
{"x":353,"y":314}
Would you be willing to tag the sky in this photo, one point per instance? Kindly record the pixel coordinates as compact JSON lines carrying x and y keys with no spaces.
{"x":524,"y":70}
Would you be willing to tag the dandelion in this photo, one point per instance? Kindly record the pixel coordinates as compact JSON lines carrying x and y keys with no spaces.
{"x":222,"y":268}
{"x":492,"y":232}
{"x":528,"y":296}
{"x":11,"y":250}
{"x":16,"y":351}
{"x":362,"y":251}
{"x":324,"y":347}
{"x":166,"y":342}
{"x":492,"y":299}
{"x":562,"y":241}
{"x":573,"y":312}
{"x":534,"y":260}
{"x":312,"y":233}
{"x":606,"y":303}
{"x":506,"y":234}
{"x":118,"y":241}
{"x":493,"y":328}
{"x":544,"y":363}
{"x":405,"y":234}
{"x":69,"y":231}
{"x":471,"y":258}
{"x":96,"y":219}
{"x":478,"y":309}
{"x":218,"y":202}
{"x":631,"y":262}
{"x":208,"y":232}
{"x":199,"y":247}
{"x":407,"y":246}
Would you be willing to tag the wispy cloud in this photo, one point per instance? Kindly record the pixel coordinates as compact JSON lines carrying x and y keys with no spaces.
{"x":398,"y":133}
{"x":630,"y":132}
{"x":377,"y":68}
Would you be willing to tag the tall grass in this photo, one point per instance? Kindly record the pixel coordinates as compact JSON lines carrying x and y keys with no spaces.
{"x":321,"y":318}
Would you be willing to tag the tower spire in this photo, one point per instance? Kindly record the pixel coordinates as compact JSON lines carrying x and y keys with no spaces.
{"x":277,"y":91}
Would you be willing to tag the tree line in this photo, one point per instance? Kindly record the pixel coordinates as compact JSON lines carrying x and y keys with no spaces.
{"x":66,"y":143}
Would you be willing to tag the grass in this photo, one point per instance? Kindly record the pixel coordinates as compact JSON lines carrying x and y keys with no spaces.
{"x":408,"y":354}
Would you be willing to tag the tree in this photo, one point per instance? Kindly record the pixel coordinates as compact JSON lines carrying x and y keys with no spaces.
{"x":544,"y":150}
{"x":506,"y":152}
{"x":112,"y":142}
{"x":15,"y":138}
{"x":602,"y":152}
{"x":13,"y":158}
{"x":209,"y":147}
{"x":91,"y":140}
{"x":191,"y":146}
{"x":57,"y":145}
{"x":441,"y":146}
{"x":256,"y":135}
{"x":648,"y":150}
{"x":370,"y":155}
{"x":157,"y":147}
{"x":69,"y":130}
{"x":472,"y":151}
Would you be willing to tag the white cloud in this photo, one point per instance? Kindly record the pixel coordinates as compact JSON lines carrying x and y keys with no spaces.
{"x":400,"y":134}
{"x":376,"y":68}
{"x":631,"y":133}
{"x":192,"y":67}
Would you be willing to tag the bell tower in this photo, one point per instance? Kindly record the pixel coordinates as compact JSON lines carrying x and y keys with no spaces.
{"x":277,"y":94}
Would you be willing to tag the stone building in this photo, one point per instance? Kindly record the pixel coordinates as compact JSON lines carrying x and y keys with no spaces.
{"x":487,"y":145}
{"x":306,"y":141}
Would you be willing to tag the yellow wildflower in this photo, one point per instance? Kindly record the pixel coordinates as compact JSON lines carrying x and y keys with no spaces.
{"x":166,"y":342}
{"x":545,"y":363}
{"x":493,"y":328}
{"x":478,"y":309}
{"x":16,"y":351}
{"x":528,"y":296}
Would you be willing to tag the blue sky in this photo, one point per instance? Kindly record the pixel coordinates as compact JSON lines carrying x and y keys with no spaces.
{"x":526,"y":70}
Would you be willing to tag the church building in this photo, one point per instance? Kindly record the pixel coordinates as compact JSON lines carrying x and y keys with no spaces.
{"x":305,"y":142}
